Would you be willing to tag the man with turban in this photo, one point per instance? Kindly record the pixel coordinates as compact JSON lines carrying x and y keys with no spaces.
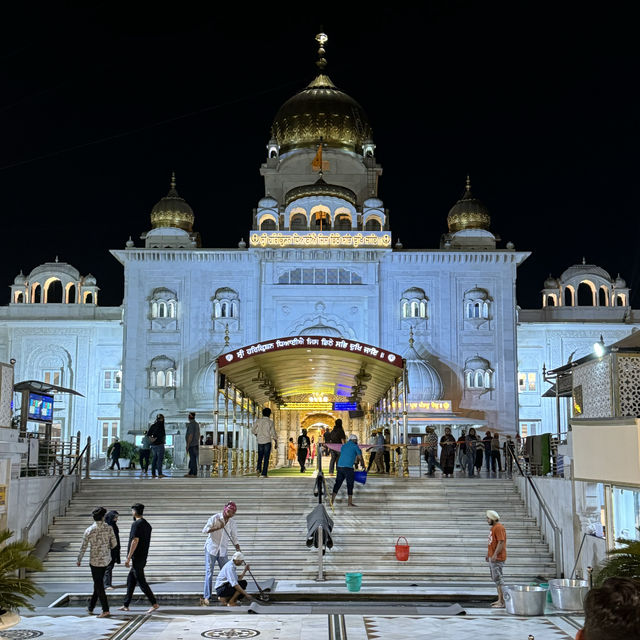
{"x":220,"y":530}
{"x":496,"y":554}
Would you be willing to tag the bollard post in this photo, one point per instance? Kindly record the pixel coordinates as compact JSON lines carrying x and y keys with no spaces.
{"x":320,"y":534}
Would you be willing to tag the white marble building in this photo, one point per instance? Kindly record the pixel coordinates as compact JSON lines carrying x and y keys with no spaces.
{"x":55,"y":331}
{"x":319,"y":261}
{"x":583,"y":306}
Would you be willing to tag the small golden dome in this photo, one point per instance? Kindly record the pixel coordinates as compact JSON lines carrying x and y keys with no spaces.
{"x":172,"y":211}
{"x":321,"y":111}
{"x":468,"y":213}
{"x":320,"y":188}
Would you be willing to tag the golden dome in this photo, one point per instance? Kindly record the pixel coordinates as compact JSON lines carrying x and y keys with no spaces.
{"x":320,"y":188}
{"x":321,"y":111}
{"x":172,"y":211}
{"x":468,"y":213}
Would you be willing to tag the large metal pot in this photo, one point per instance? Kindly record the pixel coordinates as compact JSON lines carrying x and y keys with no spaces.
{"x":568,"y":595}
{"x":523,"y":600}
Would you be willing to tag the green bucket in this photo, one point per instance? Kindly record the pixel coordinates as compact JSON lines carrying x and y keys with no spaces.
{"x":354,"y":581}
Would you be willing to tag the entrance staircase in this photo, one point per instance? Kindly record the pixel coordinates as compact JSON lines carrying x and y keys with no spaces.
{"x":442,"y":519}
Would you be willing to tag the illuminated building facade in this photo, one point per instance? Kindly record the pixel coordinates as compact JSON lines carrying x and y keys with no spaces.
{"x":320,"y":261}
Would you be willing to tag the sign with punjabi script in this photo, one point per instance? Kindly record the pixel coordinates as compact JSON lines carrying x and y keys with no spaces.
{"x":427,"y":406}
{"x":297,"y":342}
{"x":329,"y":239}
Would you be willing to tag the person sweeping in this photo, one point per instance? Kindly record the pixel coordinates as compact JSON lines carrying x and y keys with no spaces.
{"x":350,"y":454}
{"x":229,"y":587}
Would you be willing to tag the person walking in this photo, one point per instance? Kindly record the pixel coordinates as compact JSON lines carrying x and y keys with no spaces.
{"x":265,"y":431}
{"x":145,"y":453}
{"x":350,"y":454}
{"x":496,"y":554}
{"x":303,"y":449}
{"x":337,"y":436}
{"x":137,"y":553}
{"x":447,"y":453}
{"x":486,"y":443}
{"x":291,"y":452}
{"x":376,"y":452}
{"x":115,"y":450}
{"x":509,"y":454}
{"x":431,"y":451}
{"x":387,"y":451}
{"x":111,"y":519}
{"x":462,"y":451}
{"x":471,"y":446}
{"x":220,"y":529}
{"x":495,"y":453}
{"x":229,"y":587}
{"x":192,"y":437}
{"x":157,"y":437}
{"x":101,"y":539}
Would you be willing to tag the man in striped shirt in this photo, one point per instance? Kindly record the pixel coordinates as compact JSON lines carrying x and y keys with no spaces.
{"x":101,"y":539}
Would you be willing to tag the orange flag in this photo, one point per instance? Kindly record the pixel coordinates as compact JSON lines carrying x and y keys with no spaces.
{"x":316,"y":165}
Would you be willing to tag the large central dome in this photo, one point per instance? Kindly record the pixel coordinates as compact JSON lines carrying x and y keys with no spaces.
{"x":321,"y":111}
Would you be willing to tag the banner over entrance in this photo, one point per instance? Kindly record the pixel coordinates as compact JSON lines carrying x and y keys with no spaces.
{"x":287,"y":368}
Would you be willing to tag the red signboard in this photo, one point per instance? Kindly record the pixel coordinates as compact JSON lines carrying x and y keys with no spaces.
{"x":306,"y":342}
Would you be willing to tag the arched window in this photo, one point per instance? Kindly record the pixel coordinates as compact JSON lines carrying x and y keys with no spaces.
{"x":268,"y":225}
{"x":477,"y":305}
{"x":321,"y":221}
{"x":71,"y":293}
{"x":477,"y":373}
{"x":88,"y":297}
{"x":53,"y":293}
{"x":550,"y":301}
{"x":164,"y":305}
{"x":162,"y":372}
{"x":413,"y":303}
{"x":298,"y":222}
{"x":603,"y":297}
{"x":226,"y":303}
{"x":36,"y":293}
{"x":585,"y":295}
{"x":19,"y":296}
{"x":343,"y":222}
{"x":568,"y":296}
{"x":620,"y":301}
{"x":372,"y":224}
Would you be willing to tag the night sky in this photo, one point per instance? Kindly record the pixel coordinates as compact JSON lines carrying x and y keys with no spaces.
{"x":539,"y":104}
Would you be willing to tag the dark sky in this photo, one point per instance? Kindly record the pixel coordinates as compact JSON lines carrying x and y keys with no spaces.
{"x":538,"y":102}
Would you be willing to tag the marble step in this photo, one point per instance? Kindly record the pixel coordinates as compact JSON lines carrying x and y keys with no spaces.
{"x":443,"y":521}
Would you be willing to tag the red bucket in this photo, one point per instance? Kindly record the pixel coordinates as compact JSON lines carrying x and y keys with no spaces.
{"x":402,"y":550}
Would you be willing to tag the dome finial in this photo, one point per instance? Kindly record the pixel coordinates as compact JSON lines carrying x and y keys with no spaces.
{"x":468,"y":183}
{"x":173,"y":180}
{"x":411,"y":340}
{"x":584,"y":261}
{"x":321,"y":39}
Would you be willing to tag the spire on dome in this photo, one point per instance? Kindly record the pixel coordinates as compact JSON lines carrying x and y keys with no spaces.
{"x":172,"y":210}
{"x":322,"y":61}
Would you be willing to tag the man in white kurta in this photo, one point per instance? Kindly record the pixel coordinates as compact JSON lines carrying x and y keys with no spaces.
{"x":220,"y":529}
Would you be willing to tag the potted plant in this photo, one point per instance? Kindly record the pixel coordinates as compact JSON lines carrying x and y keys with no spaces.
{"x":128,"y":454}
{"x":16,"y":592}
{"x":621,"y":562}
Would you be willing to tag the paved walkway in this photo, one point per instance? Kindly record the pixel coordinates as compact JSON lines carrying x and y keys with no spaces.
{"x":173,"y":625}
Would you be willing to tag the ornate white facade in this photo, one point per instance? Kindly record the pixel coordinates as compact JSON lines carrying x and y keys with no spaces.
{"x":319,"y":261}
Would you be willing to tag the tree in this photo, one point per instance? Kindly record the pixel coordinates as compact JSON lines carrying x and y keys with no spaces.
{"x":16,"y":592}
{"x":622,"y":562}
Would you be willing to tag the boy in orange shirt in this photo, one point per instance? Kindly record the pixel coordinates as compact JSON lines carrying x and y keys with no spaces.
{"x":496,"y":554}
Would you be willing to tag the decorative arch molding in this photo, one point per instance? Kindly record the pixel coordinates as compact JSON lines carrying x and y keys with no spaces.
{"x":315,"y":418}
{"x":321,"y":319}
{"x":46,"y":357}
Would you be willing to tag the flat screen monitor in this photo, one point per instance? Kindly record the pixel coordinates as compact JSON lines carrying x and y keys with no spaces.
{"x":40,"y":407}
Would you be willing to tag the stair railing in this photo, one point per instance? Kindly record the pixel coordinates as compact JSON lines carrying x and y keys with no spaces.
{"x":543,"y":509}
{"x":45,"y":500}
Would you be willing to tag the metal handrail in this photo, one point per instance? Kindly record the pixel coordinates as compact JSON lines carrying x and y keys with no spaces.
{"x":43,"y":504}
{"x":557,"y":531}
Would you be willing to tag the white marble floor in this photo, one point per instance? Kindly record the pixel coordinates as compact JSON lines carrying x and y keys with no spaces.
{"x":169,"y":626}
